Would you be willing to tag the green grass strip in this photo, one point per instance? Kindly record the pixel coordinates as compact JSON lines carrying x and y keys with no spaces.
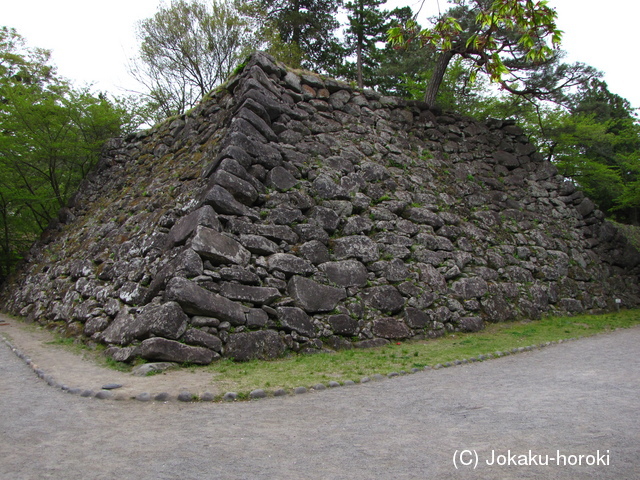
{"x":309,"y":370}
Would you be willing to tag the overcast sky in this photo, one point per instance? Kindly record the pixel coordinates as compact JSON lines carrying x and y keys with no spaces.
{"x":92,"y":41}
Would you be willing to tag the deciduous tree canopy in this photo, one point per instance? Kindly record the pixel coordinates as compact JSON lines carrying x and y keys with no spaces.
{"x":50,"y":136}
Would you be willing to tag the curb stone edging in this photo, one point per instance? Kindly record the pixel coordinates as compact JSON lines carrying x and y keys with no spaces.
{"x":106,"y":393}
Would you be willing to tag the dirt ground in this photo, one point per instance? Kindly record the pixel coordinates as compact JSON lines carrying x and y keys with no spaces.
{"x":76,"y":371}
{"x":575,"y":404}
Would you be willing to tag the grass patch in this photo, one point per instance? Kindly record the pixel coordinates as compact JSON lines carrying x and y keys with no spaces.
{"x":309,"y":370}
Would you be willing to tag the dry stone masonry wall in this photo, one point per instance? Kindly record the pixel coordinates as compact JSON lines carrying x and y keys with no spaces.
{"x":289,"y":212}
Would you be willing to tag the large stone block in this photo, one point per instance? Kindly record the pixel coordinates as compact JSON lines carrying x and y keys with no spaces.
{"x":241,"y":190}
{"x":343,"y":325}
{"x":390,"y":328}
{"x":223,"y":202}
{"x":196,"y":300}
{"x":507,"y":159}
{"x":294,"y":318}
{"x":280,"y":179}
{"x":385,"y":298}
{"x":425,"y":216}
{"x":260,"y":345}
{"x":185,"y":226}
{"x":258,"y":244}
{"x":196,"y":337}
{"x":345,"y":273}
{"x":219,"y":248}
{"x":312,"y":296}
{"x":356,"y":246}
{"x":160,"y":320}
{"x":416,"y":318}
{"x":289,"y":264}
{"x":249,"y":293}
{"x":471,"y":324}
{"x":468,"y":288}
{"x":172,"y":351}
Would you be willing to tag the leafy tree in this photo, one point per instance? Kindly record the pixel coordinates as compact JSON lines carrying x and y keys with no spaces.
{"x":50,"y":137}
{"x":186,"y":50}
{"x":596,"y":142}
{"x":300,"y":32}
{"x":505,"y":39}
{"x":367,"y":26}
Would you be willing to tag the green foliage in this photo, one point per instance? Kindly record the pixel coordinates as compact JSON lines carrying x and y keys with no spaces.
{"x":366,"y":27}
{"x":595,"y":141}
{"x":187,"y":49}
{"x":300,"y":33}
{"x":50,"y":137}
{"x":498,"y":37}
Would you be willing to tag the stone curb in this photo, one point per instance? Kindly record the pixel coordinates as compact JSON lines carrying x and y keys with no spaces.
{"x":185,"y":396}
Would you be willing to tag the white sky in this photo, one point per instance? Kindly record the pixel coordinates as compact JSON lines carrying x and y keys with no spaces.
{"x":92,"y":41}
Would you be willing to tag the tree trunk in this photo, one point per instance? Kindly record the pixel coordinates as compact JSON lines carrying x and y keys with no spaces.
{"x":442,"y":62}
{"x":359,"y":64}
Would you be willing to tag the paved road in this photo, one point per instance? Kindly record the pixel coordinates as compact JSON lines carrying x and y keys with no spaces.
{"x":579,"y":397}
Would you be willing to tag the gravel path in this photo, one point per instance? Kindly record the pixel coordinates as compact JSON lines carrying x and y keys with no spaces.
{"x":580,"y":398}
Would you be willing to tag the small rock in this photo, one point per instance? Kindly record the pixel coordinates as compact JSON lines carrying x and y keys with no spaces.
{"x":111,"y":386}
{"x":103,"y":394}
{"x":259,"y":393}
{"x":207,"y":397}
{"x":186,"y":397}
{"x":151,"y":368}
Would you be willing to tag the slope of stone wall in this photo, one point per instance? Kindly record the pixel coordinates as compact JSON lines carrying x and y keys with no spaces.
{"x":290,"y":212}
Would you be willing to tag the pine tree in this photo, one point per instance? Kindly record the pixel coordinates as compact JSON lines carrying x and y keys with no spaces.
{"x":367,"y":27}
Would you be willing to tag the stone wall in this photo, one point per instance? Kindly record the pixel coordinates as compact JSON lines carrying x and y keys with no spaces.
{"x":290,"y":212}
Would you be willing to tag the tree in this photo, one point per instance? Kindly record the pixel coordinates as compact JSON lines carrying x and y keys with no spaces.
{"x":50,"y":137}
{"x":596,"y":142}
{"x":300,"y":32}
{"x":186,"y":50}
{"x":499,"y":38}
{"x":367,"y":26}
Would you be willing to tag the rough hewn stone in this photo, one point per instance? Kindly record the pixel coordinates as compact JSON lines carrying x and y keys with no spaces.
{"x":356,"y":246}
{"x":248,"y":293}
{"x":163,"y":320}
{"x":261,"y":345}
{"x":385,"y":298}
{"x":219,"y":248}
{"x":185,"y":227}
{"x":293,"y":318}
{"x":343,"y":325}
{"x":346,"y":273}
{"x":172,"y":351}
{"x":391,"y":328}
{"x":196,"y":300}
{"x":312,"y":296}
{"x":199,"y":338}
